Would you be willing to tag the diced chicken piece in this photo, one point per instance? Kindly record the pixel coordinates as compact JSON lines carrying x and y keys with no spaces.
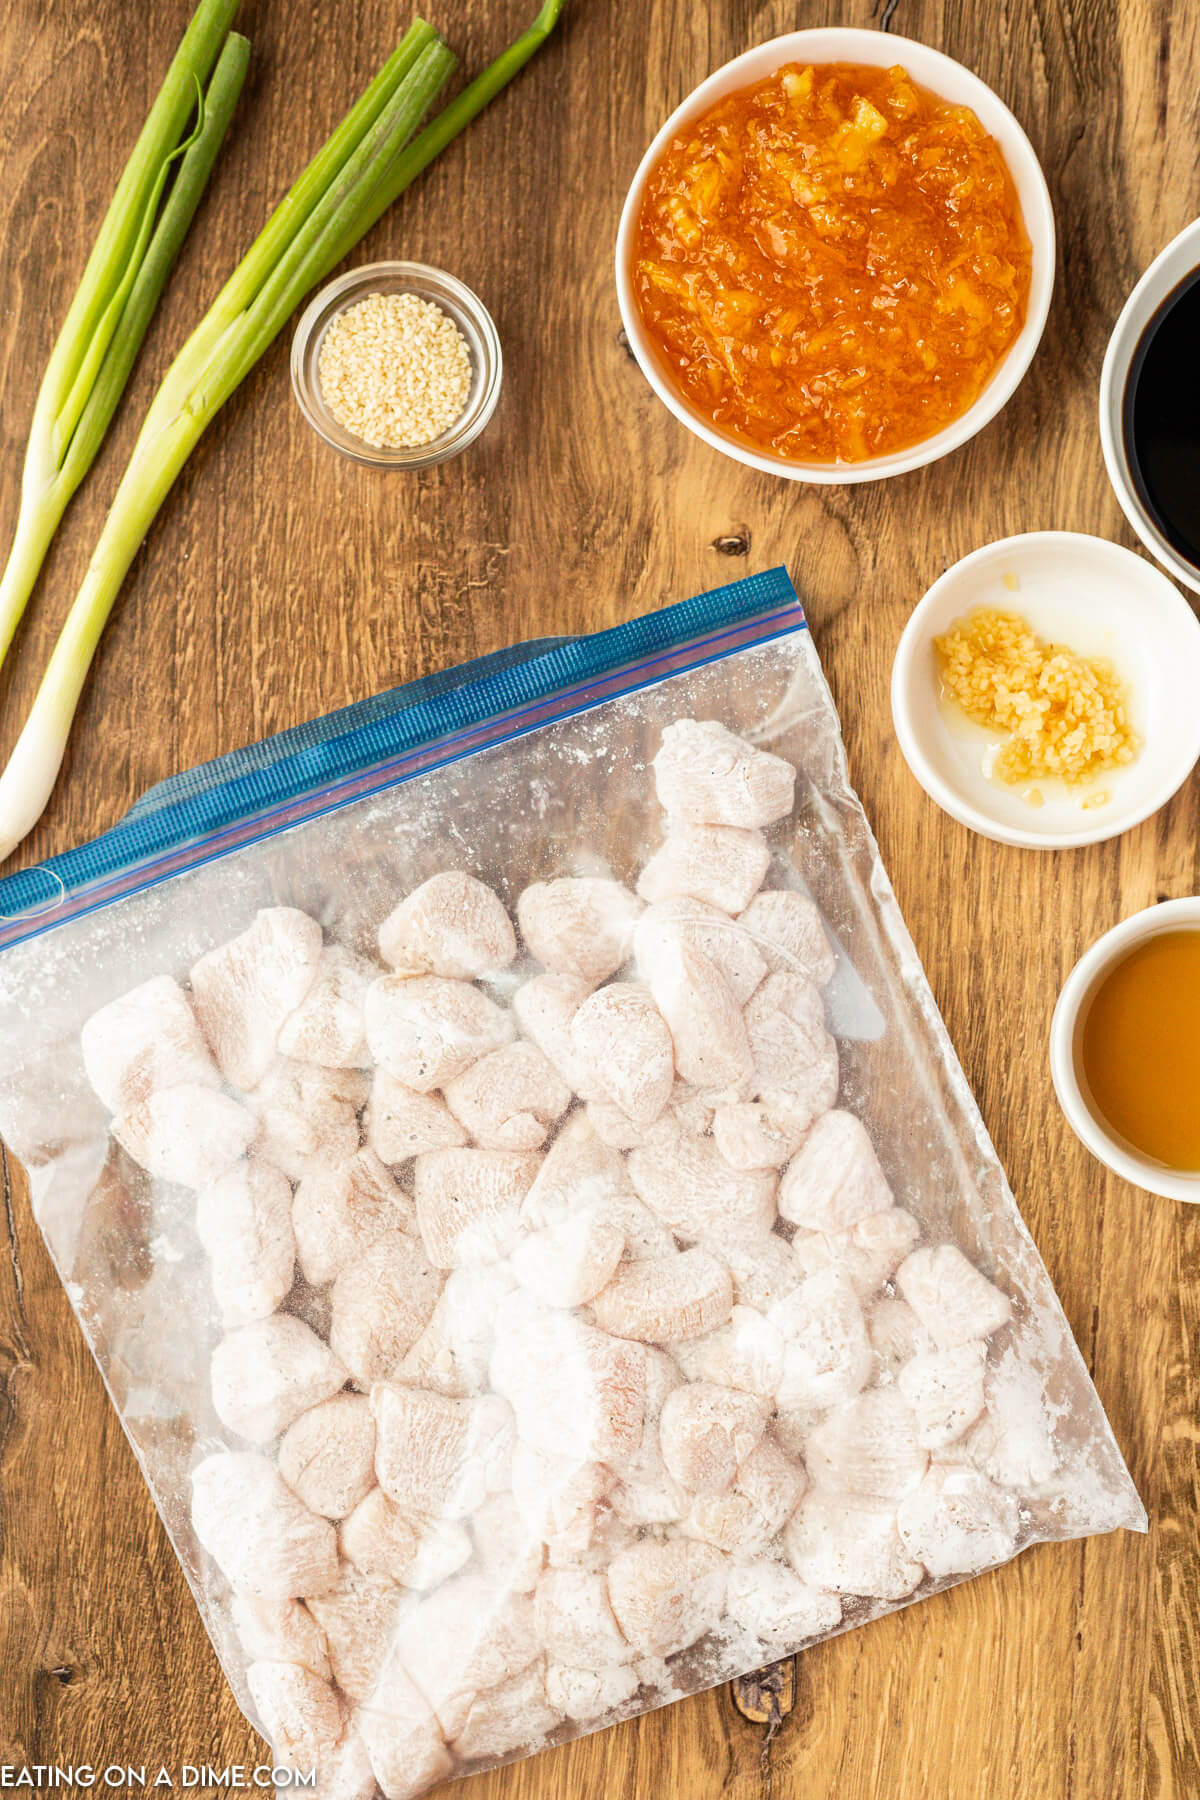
{"x":360,"y":1617}
{"x":667,"y":1595}
{"x":264,"y":1375}
{"x":755,"y":1508}
{"x":402,"y":1123}
{"x":469,"y":1203}
{"x":666,"y":1298}
{"x":404,"y":1741}
{"x":868,"y":1254}
{"x":426,"y":1030}
{"x":327,"y":1456}
{"x":245,"y":990}
{"x":646,"y":1493}
{"x":958,"y":1521}
{"x":707,"y":776}
{"x":279,"y":1631}
{"x":624,"y":1041}
{"x":383,"y":1540}
{"x":645,"y":1234}
{"x":189,"y":1135}
{"x":347,"y":1773}
{"x":510,"y":1553}
{"x":452,"y":925}
{"x":576,"y":1392}
{"x":579,"y":925}
{"x":712,"y":1049}
{"x":716,"y":863}
{"x":868,"y":1446}
{"x":465,"y":1637}
{"x":697,"y":1194}
{"x":770,"y":1602}
{"x":544,"y":1007}
{"x":566,"y":1264}
{"x":300,"y":1714}
{"x":616,"y":1129}
{"x":696,"y":925}
{"x":438,"y":1455}
{"x":380,"y":1304}
{"x":749,"y":1136}
{"x":1013,"y":1442}
{"x":588,"y":1695}
{"x":953,"y":1301}
{"x":850,"y":1546}
{"x":580,"y":1173}
{"x":574,"y":1619}
{"x":516,"y":1715}
{"x":558,"y":1498}
{"x":787,"y":930}
{"x":342,"y":1209}
{"x":763,"y":1269}
{"x":896,"y":1333}
{"x":827,"y":1356}
{"x":834,"y":1180}
{"x":795,"y":1059}
{"x":453,"y":1352}
{"x":142,"y":1042}
{"x":264,"y":1541}
{"x":944,"y":1388}
{"x":707,"y":1431}
{"x":327,"y":1027}
{"x":509,"y":1099}
{"x":308,"y":1115}
{"x":747,"y":1353}
{"x":244,"y":1221}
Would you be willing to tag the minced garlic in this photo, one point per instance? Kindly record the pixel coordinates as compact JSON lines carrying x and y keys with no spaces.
{"x":395,"y":370}
{"x":1064,"y":716}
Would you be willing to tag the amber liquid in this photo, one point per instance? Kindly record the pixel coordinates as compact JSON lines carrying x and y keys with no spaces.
{"x":1140,"y":1049}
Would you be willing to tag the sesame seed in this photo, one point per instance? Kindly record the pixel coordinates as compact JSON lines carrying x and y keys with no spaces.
{"x":395,"y":370}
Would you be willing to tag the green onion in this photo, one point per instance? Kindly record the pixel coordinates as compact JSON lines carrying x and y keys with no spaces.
{"x":362,"y":168}
{"x":125,"y":274}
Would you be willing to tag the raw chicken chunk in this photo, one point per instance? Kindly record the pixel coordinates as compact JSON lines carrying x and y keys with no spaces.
{"x":795,"y":1059}
{"x":382,"y":1539}
{"x":509,"y":1552}
{"x":667,"y":1595}
{"x":958,"y":1521}
{"x":327,"y":1027}
{"x":834,"y":1180}
{"x":698,"y":1196}
{"x":749,"y":1136}
{"x":264,"y":1541}
{"x":624,"y":1041}
{"x":768,"y":1600}
{"x":1013,"y":1441}
{"x":696,"y":925}
{"x":953,"y":1301}
{"x":706,"y":1432}
{"x":747,"y":1353}
{"x":567,"y":1263}
{"x":827,"y":1356}
{"x":763,"y":1269}
{"x":300,"y":1714}
{"x":244,"y":1221}
{"x":453,"y":1352}
{"x":342,"y":1209}
{"x":574,"y":1620}
{"x":380,"y":1304}
{"x":327,"y":1456}
{"x":558,"y":1498}
{"x":754,"y":1509}
{"x":308,"y":1115}
{"x":438,"y":1455}
{"x":579,"y":925}
{"x":509,"y":1099}
{"x":580,"y":1173}
{"x":544,"y":1008}
{"x":512,"y":1716}
{"x":706,"y":775}
{"x":868,"y":1254}
{"x":401,"y":1123}
{"x":850,"y":1546}
{"x":576,"y":1392}
{"x":451,"y":925}
{"x":896,"y":1333}
{"x":464,"y":1638}
{"x":469,"y":1203}
{"x":787,"y":930}
{"x":145,"y":1040}
{"x":359,"y":1617}
{"x":666,"y":1298}
{"x":587,"y":1695}
{"x":944,"y":1388}
{"x":868,"y":1446}
{"x":189,"y":1135}
{"x":426,"y":1030}
{"x":404,"y":1741}
{"x":704,"y":1018}
{"x":245,"y":990}
{"x":279,"y":1631}
{"x":264,"y":1375}
{"x":720,"y":864}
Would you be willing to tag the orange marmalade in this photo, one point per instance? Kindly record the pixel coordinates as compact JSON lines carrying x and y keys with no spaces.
{"x":831,"y":262}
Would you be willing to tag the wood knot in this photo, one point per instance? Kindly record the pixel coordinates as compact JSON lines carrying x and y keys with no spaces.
{"x":768,"y":1695}
{"x":733,"y":543}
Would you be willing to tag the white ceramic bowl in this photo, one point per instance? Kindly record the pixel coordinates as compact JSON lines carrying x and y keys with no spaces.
{"x":1101,"y":600}
{"x":1180,"y":259}
{"x":1065,"y":1030}
{"x":950,"y":81}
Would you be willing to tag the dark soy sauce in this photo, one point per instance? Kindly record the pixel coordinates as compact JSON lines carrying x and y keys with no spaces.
{"x":1162,"y":418}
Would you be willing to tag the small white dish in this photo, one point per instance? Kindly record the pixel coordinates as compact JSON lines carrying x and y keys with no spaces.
{"x":1172,"y":266}
{"x":1065,"y":1034}
{"x":950,"y":81}
{"x":1101,"y":600}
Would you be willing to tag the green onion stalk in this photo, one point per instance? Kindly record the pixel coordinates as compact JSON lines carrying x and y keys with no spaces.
{"x":362,"y":169}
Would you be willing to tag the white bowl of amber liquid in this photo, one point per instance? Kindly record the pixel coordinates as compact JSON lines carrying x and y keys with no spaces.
{"x":1125,"y":1049}
{"x":947,"y":81}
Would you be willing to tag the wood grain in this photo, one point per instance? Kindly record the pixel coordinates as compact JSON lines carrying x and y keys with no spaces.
{"x":281,"y":582}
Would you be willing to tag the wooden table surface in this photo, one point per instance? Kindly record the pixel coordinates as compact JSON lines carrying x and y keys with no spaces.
{"x":280,"y":582}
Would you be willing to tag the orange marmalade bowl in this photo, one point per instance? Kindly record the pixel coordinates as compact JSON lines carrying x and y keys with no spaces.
{"x":840,"y":275}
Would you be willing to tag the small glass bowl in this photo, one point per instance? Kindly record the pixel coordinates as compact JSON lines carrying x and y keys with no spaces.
{"x":457,"y":301}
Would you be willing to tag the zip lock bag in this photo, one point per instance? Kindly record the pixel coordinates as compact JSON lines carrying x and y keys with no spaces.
{"x":503,"y":1153}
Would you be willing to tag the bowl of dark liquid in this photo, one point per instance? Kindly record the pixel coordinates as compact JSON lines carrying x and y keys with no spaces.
{"x":1150,"y":408}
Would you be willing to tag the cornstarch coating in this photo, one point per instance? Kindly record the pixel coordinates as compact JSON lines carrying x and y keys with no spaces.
{"x":395,"y":370}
